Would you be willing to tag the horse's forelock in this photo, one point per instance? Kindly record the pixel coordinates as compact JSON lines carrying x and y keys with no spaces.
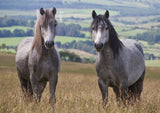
{"x":96,"y":21}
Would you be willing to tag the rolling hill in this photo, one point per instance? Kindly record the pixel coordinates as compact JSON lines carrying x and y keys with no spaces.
{"x":130,"y":17}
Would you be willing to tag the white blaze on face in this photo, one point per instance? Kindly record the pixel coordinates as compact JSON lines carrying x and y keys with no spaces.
{"x":50,"y":34}
{"x":47,"y":34}
{"x":101,"y":36}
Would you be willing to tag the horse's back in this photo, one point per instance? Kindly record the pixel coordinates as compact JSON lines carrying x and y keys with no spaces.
{"x":22,"y":55}
{"x":133,"y":58}
{"x":129,"y":43}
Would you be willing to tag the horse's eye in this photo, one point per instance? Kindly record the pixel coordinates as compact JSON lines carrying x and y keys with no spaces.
{"x":107,"y":28}
{"x":93,"y":28}
{"x":55,"y":24}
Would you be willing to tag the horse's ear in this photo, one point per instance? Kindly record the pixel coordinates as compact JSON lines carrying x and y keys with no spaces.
{"x":42,"y":11}
{"x":54,"y":10}
{"x":94,"y":14}
{"x":107,"y":14}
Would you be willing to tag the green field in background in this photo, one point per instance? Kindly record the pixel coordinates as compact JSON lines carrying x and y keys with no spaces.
{"x":13,"y":41}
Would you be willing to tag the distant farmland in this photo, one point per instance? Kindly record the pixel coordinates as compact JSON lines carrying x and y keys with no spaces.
{"x":13,"y":41}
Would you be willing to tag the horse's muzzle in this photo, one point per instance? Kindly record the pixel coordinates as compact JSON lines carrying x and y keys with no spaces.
{"x":98,"y":47}
{"x":49,"y":44}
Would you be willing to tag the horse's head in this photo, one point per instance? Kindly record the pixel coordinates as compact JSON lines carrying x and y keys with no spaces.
{"x":48,"y":27}
{"x":100,"y":30}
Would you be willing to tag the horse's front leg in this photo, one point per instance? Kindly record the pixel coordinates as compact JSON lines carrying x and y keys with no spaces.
{"x":52,"y":87}
{"x":104,"y":90}
{"x":37,"y":86}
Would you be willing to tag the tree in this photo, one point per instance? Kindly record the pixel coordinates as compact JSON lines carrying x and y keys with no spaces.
{"x":3,"y":46}
{"x":18,"y":32}
{"x":29,"y":32}
{"x":66,"y":56}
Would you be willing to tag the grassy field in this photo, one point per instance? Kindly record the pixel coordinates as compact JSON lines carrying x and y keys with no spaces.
{"x":131,"y":32}
{"x":64,"y":39}
{"x":151,"y":49}
{"x":13,"y":41}
{"x":18,"y":13}
{"x":83,"y":13}
{"x":152,"y":63}
{"x":77,"y":92}
{"x":12,"y":28}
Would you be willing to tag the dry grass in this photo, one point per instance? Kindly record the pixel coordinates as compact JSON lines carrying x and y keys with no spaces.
{"x":77,"y":92}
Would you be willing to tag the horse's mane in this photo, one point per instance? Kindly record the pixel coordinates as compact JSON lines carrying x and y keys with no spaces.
{"x":38,"y":40}
{"x":114,"y":41}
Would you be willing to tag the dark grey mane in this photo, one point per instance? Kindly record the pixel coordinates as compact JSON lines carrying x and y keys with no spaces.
{"x":114,"y":43}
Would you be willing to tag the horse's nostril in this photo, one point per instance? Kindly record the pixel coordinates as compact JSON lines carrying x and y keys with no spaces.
{"x":95,"y":45}
{"x":49,"y":44}
{"x":52,"y":42}
{"x":98,"y":46}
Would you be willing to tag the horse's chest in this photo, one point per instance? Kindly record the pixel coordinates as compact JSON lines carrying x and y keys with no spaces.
{"x":44,"y":69}
{"x":107,"y":74}
{"x":105,"y":71}
{"x":45,"y":66}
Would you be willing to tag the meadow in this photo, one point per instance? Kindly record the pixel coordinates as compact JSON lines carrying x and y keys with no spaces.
{"x":12,"y":28}
{"x":14,"y":41}
{"x":77,"y":91}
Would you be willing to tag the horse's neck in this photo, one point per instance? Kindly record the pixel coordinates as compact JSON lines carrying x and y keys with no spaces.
{"x":106,"y":55}
{"x":44,"y":50}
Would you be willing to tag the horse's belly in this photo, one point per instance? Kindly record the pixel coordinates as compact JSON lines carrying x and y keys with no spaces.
{"x":135,"y":72}
{"x":135,"y":67}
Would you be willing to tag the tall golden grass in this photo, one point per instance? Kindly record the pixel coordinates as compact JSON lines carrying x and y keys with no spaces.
{"x":77,"y":92}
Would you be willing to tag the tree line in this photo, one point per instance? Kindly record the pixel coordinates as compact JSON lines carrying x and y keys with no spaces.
{"x":151,"y":37}
{"x":16,"y":33}
{"x":8,"y":22}
{"x":73,"y":30}
{"x":86,"y":46}
{"x":151,"y":57}
{"x":67,"y":56}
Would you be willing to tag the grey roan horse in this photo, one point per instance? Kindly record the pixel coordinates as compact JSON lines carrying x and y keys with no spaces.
{"x":37,"y":60}
{"x":120,"y":63}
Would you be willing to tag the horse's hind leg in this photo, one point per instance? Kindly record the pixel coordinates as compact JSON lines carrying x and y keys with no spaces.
{"x":117,"y":92}
{"x":136,"y":89}
{"x":29,"y":88}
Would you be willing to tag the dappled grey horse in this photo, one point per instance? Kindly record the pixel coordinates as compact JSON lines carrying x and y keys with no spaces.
{"x":120,"y":63}
{"x":37,"y":60}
